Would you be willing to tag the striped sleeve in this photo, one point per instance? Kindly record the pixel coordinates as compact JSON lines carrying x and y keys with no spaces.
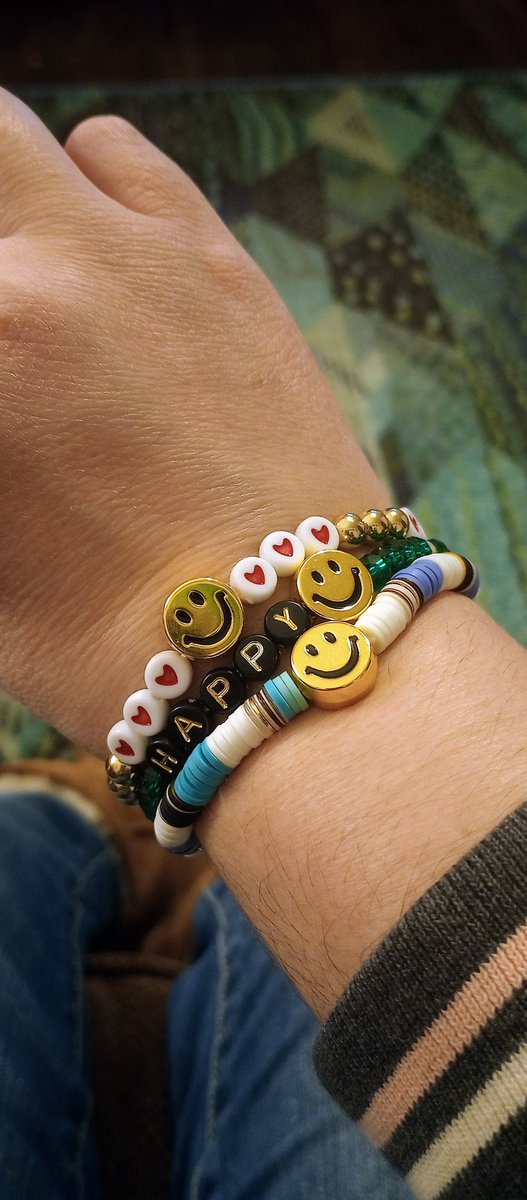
{"x":427,"y":1049}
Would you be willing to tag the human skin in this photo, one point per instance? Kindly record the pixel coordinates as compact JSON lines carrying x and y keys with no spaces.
{"x":159,"y":413}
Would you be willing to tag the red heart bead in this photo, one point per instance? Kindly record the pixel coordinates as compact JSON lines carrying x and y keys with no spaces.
{"x":169,"y":676}
{"x":322,"y":534}
{"x":256,"y":576}
{"x":124,"y":748}
{"x":142,"y":717}
{"x":285,"y":547}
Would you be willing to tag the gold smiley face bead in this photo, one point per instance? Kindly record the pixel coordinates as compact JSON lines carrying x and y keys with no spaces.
{"x":333,"y":664}
{"x":334,"y":584}
{"x":203,"y":618}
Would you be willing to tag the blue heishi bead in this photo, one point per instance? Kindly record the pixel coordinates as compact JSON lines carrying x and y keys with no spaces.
{"x":214,"y":761}
{"x":190,"y":792}
{"x":293,"y":693}
{"x":276,"y":696}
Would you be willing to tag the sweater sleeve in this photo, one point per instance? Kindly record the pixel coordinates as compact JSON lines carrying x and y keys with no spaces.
{"x":427,"y":1048}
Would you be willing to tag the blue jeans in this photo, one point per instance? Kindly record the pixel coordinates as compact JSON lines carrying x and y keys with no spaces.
{"x":253,"y":1121}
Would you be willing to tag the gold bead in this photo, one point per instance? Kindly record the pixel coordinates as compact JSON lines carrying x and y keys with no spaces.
{"x":352,"y":530}
{"x":203,"y":618}
{"x":120,"y":777}
{"x":377,"y":524}
{"x":333,"y":664}
{"x":334,"y":584}
{"x":399,"y":522}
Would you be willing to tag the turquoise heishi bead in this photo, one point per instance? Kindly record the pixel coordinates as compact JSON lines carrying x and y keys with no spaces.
{"x":277,"y":698}
{"x":214,"y":761}
{"x":297,"y":699}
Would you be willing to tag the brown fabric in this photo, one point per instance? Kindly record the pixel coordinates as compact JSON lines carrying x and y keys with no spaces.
{"x":128,"y":986}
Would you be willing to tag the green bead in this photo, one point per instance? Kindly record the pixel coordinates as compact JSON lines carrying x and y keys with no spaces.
{"x":439,"y":547}
{"x":378,"y":568}
{"x":150,"y":789}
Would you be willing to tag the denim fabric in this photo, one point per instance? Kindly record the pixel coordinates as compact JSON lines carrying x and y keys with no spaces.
{"x":251,"y":1119}
{"x":253,"y":1122}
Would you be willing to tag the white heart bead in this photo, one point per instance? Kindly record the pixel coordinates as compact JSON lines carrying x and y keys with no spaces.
{"x":416,"y":529}
{"x":283,"y":550}
{"x":121,"y":739}
{"x":317,"y":533}
{"x":174,"y":669}
{"x":253,"y":590}
{"x":145,"y":714}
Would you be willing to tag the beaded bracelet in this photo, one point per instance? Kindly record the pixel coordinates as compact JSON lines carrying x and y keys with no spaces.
{"x":169,"y":674}
{"x":333,"y":683}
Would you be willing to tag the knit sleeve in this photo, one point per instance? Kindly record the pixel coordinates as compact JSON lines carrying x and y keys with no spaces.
{"x":427,"y":1048}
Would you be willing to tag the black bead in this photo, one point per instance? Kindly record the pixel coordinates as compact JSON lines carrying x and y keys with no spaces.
{"x":164,"y":758}
{"x":256,"y":657}
{"x":188,"y":723}
{"x":222,"y":691}
{"x":178,"y":817}
{"x":286,"y":620}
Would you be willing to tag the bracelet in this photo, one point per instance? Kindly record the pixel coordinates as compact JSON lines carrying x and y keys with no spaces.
{"x":168,"y":674}
{"x":334,"y":682}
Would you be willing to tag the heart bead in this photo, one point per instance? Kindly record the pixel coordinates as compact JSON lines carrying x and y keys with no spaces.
{"x":317,"y":533}
{"x":168,"y":675}
{"x":284,"y":551}
{"x":128,"y":745}
{"x":145,"y":712}
{"x":254,"y":579}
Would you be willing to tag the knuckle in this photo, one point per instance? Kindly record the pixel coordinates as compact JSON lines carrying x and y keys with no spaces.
{"x":92,"y":129}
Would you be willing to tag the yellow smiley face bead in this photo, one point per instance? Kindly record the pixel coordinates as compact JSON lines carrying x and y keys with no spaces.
{"x":334,"y":585}
{"x":203,"y":618}
{"x":333,"y":664}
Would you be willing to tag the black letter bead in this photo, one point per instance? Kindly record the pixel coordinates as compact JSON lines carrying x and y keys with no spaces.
{"x":222,"y":691}
{"x":188,"y":723}
{"x":256,"y":657}
{"x":164,"y":758}
{"x":285,"y":621}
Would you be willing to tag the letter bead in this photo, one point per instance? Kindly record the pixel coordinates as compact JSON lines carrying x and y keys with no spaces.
{"x":317,"y":533}
{"x":254,"y":579}
{"x":256,"y":657}
{"x":168,"y":675}
{"x":189,"y":722}
{"x":164,"y":759}
{"x":128,"y":745}
{"x":285,"y":621}
{"x":222,"y":691}
{"x":144,"y":713}
{"x":284,"y":551}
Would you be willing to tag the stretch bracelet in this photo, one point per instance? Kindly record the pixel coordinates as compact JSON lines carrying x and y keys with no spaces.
{"x":333,"y":664}
{"x":168,"y":675}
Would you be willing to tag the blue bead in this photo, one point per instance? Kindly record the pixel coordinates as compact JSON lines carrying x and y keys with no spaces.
{"x":282,"y":705}
{"x":213,"y":759}
{"x":192,"y":795}
{"x":293,"y":693}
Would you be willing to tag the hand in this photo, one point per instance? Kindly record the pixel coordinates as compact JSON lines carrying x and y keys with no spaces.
{"x":160,"y":412}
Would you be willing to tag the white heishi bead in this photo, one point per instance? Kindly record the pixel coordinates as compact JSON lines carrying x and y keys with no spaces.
{"x":383,"y":621}
{"x":245,"y":729}
{"x":121,"y":736}
{"x":235,"y":737}
{"x":221,"y":746}
{"x":144,"y":714}
{"x":416,"y":529}
{"x":258,"y":723}
{"x":169,"y":836}
{"x":289,"y":558}
{"x":453,"y":570}
{"x":317,"y":533}
{"x":261,"y":586}
{"x":174,"y":669}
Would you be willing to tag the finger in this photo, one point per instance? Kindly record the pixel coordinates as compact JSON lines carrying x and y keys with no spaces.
{"x":38,"y":181}
{"x":127,"y":167}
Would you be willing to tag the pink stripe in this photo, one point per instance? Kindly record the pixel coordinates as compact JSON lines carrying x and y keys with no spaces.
{"x":453,"y":1030}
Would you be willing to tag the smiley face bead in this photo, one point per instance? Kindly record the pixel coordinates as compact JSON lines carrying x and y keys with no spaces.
{"x":334,"y":584}
{"x":203,"y":618}
{"x":333,"y":664}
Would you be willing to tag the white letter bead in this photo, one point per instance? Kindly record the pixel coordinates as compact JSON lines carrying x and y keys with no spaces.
{"x":254,"y":579}
{"x":128,"y":745}
{"x":142,"y":712}
{"x":317,"y":533}
{"x":284,"y":551}
{"x":168,"y":675}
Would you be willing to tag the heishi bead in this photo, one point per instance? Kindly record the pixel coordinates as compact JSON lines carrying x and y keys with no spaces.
{"x":254,"y":579}
{"x":383,"y":621}
{"x":377,"y":524}
{"x":221,"y":746}
{"x":285,"y":551}
{"x":168,"y":675}
{"x":177,"y":815}
{"x":452,"y":568}
{"x":472,"y":582}
{"x":256,"y":657}
{"x":257,"y":719}
{"x":279,"y":700}
{"x":127,"y":744}
{"x":264,"y":711}
{"x":317,"y":533}
{"x":245,"y":728}
{"x":145,"y":713}
{"x":170,"y":836}
{"x":293,"y":693}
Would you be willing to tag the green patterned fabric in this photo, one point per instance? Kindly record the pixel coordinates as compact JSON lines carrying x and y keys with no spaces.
{"x":392,"y":218}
